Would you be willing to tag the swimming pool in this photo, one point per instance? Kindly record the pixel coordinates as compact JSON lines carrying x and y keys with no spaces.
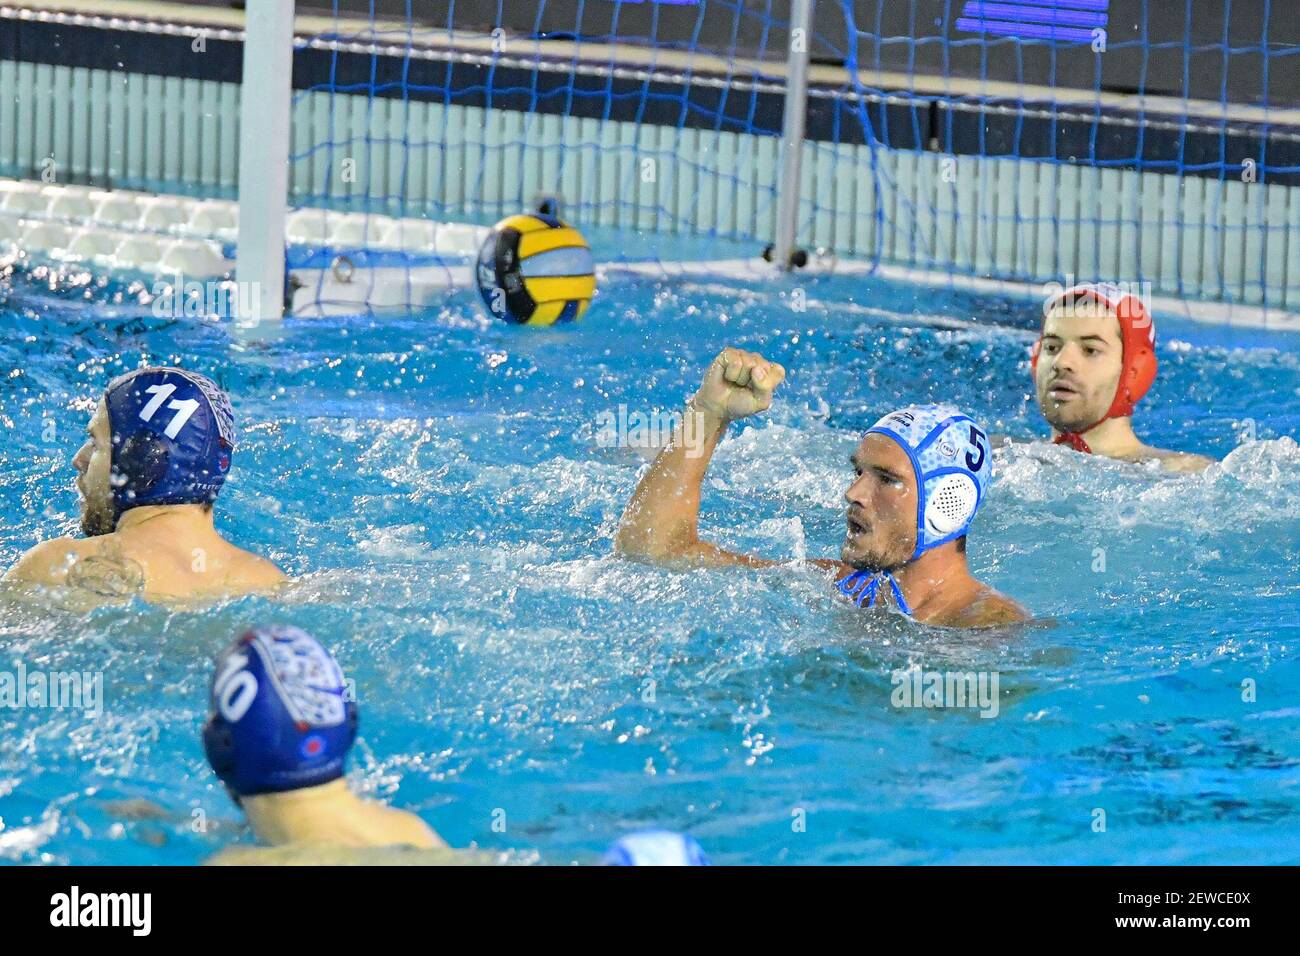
{"x":440,"y":487}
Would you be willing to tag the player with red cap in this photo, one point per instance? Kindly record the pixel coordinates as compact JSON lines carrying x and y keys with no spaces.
{"x":1092,"y":364}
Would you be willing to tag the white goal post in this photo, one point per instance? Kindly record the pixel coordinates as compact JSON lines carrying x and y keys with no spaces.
{"x":265,"y":100}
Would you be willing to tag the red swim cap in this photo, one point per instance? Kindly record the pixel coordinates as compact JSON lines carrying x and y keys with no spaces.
{"x":1138,"y":339}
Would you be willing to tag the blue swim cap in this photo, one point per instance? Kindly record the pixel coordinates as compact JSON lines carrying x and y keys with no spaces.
{"x":281,"y":718}
{"x":173,"y":433}
{"x":950,"y":455}
{"x":655,"y":848}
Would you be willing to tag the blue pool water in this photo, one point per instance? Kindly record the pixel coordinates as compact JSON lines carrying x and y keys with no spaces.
{"x":440,"y":488}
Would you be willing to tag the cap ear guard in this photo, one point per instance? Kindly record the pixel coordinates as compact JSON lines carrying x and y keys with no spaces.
{"x":219,"y":747}
{"x":950,"y":504}
{"x":138,"y":465}
{"x":1139,"y":374}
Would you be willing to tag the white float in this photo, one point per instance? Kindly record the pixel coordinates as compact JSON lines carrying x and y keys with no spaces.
{"x":117,"y":210}
{"x":140,"y":254}
{"x":165,"y":235}
{"x":219,"y":219}
{"x":193,"y":258}
{"x":164,"y":214}
{"x":69,"y":204}
{"x":26,"y":203}
{"x":94,"y":245}
{"x":52,"y":236}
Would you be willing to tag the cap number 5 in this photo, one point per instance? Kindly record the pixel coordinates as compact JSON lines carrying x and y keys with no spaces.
{"x":183,"y":408}
{"x":978,"y":439}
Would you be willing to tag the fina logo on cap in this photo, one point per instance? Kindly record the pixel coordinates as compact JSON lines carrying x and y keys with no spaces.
{"x":904,"y":418}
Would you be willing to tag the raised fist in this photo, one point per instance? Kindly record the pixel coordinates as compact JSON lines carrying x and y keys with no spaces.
{"x":738,"y":384}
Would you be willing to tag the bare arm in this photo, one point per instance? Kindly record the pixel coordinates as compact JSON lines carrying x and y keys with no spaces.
{"x":661,"y":522}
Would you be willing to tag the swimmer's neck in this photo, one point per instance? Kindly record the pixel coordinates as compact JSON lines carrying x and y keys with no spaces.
{"x":189,"y":516}
{"x":937,"y":581}
{"x":298,"y":816}
{"x":1113,"y":438}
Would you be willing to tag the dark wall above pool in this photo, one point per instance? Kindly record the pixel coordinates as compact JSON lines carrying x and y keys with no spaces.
{"x":1116,"y":136}
{"x":1166,"y":47}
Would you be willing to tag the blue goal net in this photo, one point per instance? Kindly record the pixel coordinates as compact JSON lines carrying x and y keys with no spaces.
{"x":1129,"y":140}
{"x":1134,"y":140}
{"x":1152,"y":142}
{"x":635,"y":121}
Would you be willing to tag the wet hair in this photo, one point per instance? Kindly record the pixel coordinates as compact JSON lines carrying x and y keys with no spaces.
{"x":961,"y":545}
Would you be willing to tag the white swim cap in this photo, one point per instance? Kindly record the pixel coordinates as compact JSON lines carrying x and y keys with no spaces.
{"x":950,"y":456}
{"x":655,"y":848}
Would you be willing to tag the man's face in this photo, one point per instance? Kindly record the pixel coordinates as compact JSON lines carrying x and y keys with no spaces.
{"x":1079,"y":365}
{"x":94,"y":463}
{"x":882,"y":506}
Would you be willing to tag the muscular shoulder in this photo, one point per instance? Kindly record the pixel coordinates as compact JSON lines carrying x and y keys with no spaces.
{"x":49,"y":562}
{"x":96,"y":566}
{"x":326,"y":854}
{"x":401,"y":827}
{"x":256,"y":572}
{"x":991,"y":609}
{"x":205,"y":567}
{"x":1182,"y":461}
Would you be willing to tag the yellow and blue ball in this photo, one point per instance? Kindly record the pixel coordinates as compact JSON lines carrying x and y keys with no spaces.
{"x":535,"y":270}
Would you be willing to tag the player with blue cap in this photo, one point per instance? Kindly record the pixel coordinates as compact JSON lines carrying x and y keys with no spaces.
{"x":280,"y":726}
{"x":173,"y":433}
{"x":281,"y":722}
{"x":922,"y":474}
{"x":158,"y":451}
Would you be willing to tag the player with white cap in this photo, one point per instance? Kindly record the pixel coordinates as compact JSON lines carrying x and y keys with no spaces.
{"x":922,"y":474}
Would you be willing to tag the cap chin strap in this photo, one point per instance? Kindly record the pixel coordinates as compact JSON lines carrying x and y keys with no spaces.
{"x":1120,"y":406}
{"x":1075,"y":440}
{"x":864,"y":586}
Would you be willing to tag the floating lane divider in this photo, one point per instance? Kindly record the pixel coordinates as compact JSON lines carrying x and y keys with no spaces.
{"x":338,"y":260}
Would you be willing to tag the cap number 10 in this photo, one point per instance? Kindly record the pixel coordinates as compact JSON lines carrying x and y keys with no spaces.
{"x":235,"y":689}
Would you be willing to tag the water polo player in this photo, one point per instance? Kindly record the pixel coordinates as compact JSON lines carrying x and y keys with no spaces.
{"x":922,"y":473}
{"x":280,"y":727}
{"x":1093,"y":362}
{"x":159,"y":449}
